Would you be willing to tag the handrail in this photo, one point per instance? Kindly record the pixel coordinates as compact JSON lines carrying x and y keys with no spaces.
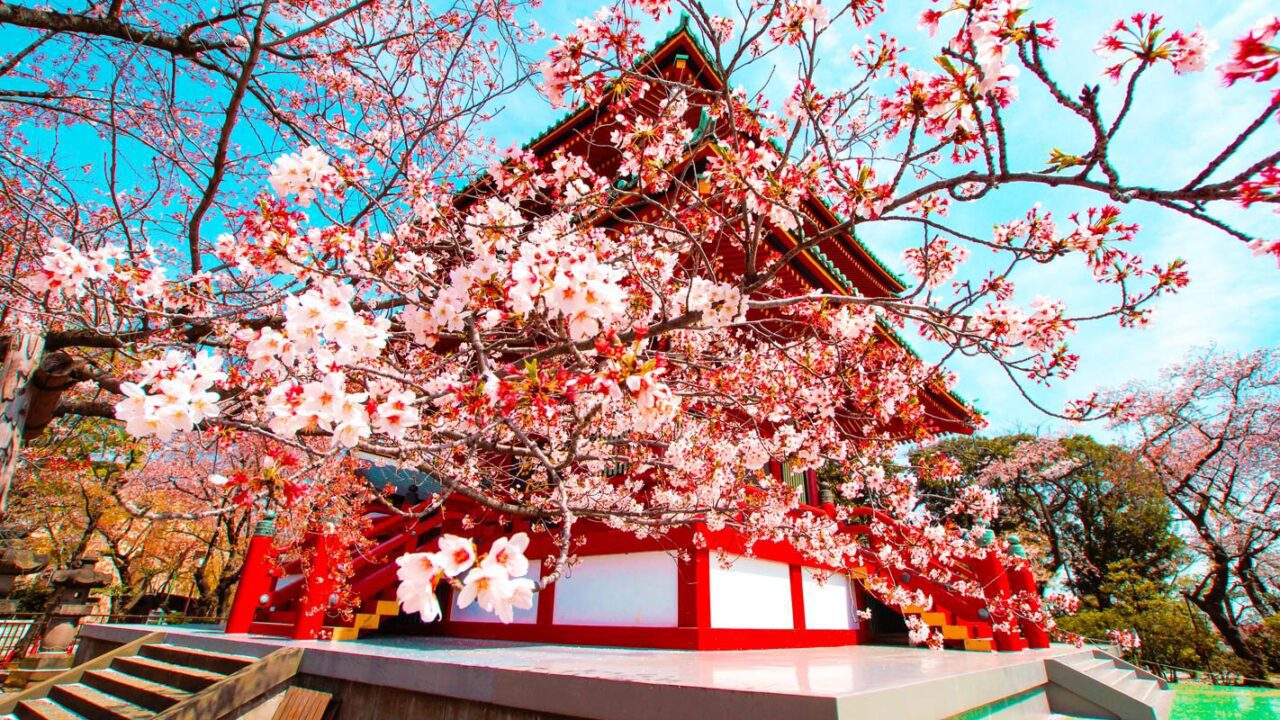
{"x":239,"y":688}
{"x":102,"y":662}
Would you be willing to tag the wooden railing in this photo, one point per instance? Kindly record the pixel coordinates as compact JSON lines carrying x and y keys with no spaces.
{"x":238,"y":689}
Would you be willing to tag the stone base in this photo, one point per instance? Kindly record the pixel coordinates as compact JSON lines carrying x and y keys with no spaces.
{"x":456,"y":679}
{"x":36,"y":668}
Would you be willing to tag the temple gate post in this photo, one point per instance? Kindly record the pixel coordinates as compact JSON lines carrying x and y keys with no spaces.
{"x":1023,"y":583}
{"x":995,"y":586}
{"x":255,"y":576}
{"x":317,"y":595}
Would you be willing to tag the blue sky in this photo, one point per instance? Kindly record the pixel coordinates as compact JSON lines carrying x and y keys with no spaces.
{"x":1180,"y":122}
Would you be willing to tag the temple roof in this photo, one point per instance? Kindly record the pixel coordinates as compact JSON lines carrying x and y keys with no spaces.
{"x":852,"y":256}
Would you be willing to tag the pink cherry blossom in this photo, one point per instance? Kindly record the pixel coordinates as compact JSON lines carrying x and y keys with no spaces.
{"x":509,"y":554}
{"x":456,"y":555}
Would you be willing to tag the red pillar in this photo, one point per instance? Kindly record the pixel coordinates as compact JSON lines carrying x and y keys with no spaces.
{"x":314,"y":603}
{"x":1023,"y":583}
{"x":995,"y":585}
{"x":255,"y":575}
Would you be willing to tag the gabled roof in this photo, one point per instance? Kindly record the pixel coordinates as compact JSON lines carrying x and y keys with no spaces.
{"x":682,"y":44}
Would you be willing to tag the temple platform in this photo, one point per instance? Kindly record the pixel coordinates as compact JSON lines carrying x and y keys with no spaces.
{"x":392,"y":677}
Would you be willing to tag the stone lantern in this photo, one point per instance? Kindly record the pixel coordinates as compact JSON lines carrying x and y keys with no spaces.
{"x":72,"y":586}
{"x":14,"y":563}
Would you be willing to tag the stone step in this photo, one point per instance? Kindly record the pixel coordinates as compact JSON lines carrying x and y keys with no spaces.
{"x":367,"y":621}
{"x":1092,"y":665}
{"x":140,"y":691}
{"x":158,"y":671}
{"x":936,"y":618}
{"x":94,"y":704}
{"x":43,"y":709}
{"x":1146,"y":688}
{"x":201,"y":659}
{"x":1113,"y":676}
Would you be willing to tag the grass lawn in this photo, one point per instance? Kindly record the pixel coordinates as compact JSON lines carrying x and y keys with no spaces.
{"x":1208,"y":702}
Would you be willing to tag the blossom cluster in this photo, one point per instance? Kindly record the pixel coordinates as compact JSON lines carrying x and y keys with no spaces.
{"x":304,"y":174}
{"x":1141,"y":39}
{"x":495,"y":580}
{"x":174,"y":394}
{"x":65,"y":269}
{"x":1127,"y":640}
{"x":935,"y":263}
{"x":1256,"y":55}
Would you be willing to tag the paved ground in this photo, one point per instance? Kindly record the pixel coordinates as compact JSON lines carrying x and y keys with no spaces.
{"x":857,"y":681}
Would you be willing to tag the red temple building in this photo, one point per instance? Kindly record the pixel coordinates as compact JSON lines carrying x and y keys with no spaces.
{"x":665,"y":592}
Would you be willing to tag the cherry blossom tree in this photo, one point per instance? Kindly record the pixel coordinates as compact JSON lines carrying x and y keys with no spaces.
{"x":1210,"y":428}
{"x":87,"y":486}
{"x":280,"y":235}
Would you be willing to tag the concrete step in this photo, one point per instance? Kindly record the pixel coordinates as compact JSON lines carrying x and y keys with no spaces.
{"x":140,"y":691}
{"x":200,"y":659}
{"x":158,"y":671}
{"x":1092,"y":665}
{"x":43,"y":709}
{"x":1098,"y":682}
{"x":1147,"y":688}
{"x":94,"y":704}
{"x":1112,"y":676}
{"x":1082,"y":658}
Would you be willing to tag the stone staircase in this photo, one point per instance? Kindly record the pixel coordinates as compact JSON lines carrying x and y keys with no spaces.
{"x":152,"y":678}
{"x":1093,"y":684}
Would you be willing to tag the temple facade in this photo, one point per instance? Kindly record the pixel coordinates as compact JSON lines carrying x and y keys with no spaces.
{"x":670,"y":591}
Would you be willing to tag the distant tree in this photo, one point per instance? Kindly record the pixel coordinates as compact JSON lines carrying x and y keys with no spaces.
{"x":1170,"y":635}
{"x":86,"y":486}
{"x":1094,"y":508}
{"x":1209,"y":427}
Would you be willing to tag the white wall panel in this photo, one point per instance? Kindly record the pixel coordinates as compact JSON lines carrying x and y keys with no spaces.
{"x":751,"y":593}
{"x":630,"y":590}
{"x":829,"y":606}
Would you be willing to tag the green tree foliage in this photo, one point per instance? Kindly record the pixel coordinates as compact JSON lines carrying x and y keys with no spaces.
{"x":1171,"y":634}
{"x":1095,"y":512}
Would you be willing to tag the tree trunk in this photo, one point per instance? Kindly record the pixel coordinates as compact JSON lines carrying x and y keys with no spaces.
{"x":22,"y":353}
{"x":1214,"y":608}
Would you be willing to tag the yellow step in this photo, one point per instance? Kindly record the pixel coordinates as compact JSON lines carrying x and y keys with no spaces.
{"x":345,"y":633}
{"x":936,"y":619}
{"x":955,"y":632}
{"x":367,"y":621}
{"x":858,"y":573}
{"x":912,"y":609}
{"x":387,"y":607}
{"x":979,"y":644}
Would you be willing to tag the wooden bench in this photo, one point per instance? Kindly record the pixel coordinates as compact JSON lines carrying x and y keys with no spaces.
{"x":303,"y":704}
